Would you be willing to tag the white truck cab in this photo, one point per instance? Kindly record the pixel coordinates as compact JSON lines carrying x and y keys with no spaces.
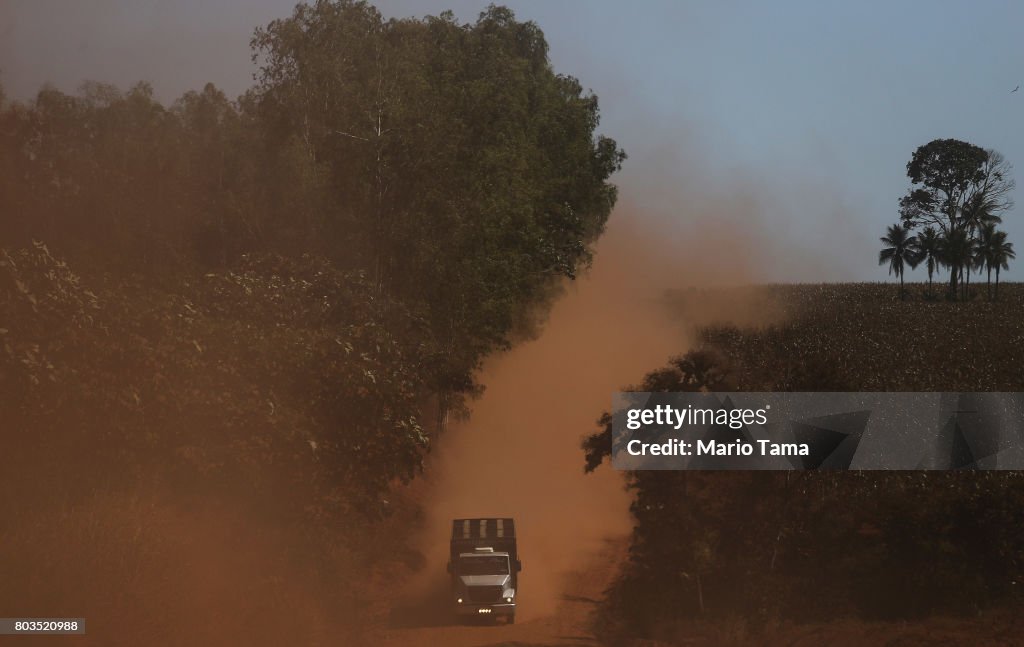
{"x":484,"y":568}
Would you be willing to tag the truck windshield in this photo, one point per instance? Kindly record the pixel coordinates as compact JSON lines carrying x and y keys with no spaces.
{"x":483,"y":565}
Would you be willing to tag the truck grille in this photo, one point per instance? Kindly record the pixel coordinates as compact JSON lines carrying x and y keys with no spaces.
{"x":484,"y":594}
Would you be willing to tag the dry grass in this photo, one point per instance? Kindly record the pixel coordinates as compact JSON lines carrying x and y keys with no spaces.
{"x":861,"y":337}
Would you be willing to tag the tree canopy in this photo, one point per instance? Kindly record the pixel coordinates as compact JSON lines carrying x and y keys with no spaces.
{"x":954,"y":184}
{"x":264,"y":308}
{"x":439,"y":179}
{"x":460,"y":168}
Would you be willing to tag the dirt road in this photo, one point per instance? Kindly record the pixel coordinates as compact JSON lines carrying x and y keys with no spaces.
{"x":427,"y":622}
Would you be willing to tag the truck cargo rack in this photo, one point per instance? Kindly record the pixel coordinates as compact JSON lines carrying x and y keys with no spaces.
{"x":496,"y":533}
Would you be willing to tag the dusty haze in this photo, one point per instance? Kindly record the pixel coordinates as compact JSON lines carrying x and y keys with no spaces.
{"x":519,"y":453}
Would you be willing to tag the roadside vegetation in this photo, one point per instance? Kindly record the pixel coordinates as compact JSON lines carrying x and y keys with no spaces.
{"x":746,"y":557}
{"x":229,"y":327}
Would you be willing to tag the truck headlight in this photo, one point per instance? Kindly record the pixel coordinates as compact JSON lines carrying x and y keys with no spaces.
{"x":509,"y":595}
{"x":458,"y":600}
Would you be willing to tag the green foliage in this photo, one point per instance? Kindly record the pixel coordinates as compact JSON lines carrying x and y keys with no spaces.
{"x":118,"y":182}
{"x":447,"y":161}
{"x":41,"y":301}
{"x":276,"y":373}
{"x":445,"y":168}
{"x":464,"y":172}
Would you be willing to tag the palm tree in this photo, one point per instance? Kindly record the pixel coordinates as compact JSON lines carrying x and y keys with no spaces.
{"x":983,"y":251}
{"x":1002,"y":253}
{"x":979,"y":212}
{"x":927,"y":251}
{"x":899,"y":251}
{"x":955,"y":252}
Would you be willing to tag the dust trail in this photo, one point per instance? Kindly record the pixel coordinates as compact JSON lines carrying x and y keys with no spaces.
{"x":519,"y":454}
{"x":679,"y":226}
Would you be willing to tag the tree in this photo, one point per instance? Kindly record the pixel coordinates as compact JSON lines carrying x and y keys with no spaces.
{"x":979,"y":213}
{"x":451,"y":161}
{"x":956,"y":252}
{"x":984,"y":252}
{"x":982,"y":210}
{"x":927,"y":251}
{"x":215,"y":164}
{"x":1002,"y":254}
{"x":900,"y":251}
{"x":956,"y":185}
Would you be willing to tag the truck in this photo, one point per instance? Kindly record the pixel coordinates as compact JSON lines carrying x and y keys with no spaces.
{"x":484,"y":567}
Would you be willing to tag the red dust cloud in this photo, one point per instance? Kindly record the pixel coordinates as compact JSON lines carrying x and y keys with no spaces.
{"x":519,"y":453}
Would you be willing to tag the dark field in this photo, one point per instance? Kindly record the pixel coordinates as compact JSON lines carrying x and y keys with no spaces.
{"x":861,"y":337}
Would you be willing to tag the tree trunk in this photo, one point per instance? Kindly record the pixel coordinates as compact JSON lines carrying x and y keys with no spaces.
{"x":988,"y":285}
{"x":902,"y":294}
{"x":997,"y":283}
{"x":952,"y":283}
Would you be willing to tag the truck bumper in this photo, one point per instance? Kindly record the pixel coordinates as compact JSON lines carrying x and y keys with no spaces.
{"x":486,"y":610}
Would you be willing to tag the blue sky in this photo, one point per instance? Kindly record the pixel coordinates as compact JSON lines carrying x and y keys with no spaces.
{"x":811,"y":109}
